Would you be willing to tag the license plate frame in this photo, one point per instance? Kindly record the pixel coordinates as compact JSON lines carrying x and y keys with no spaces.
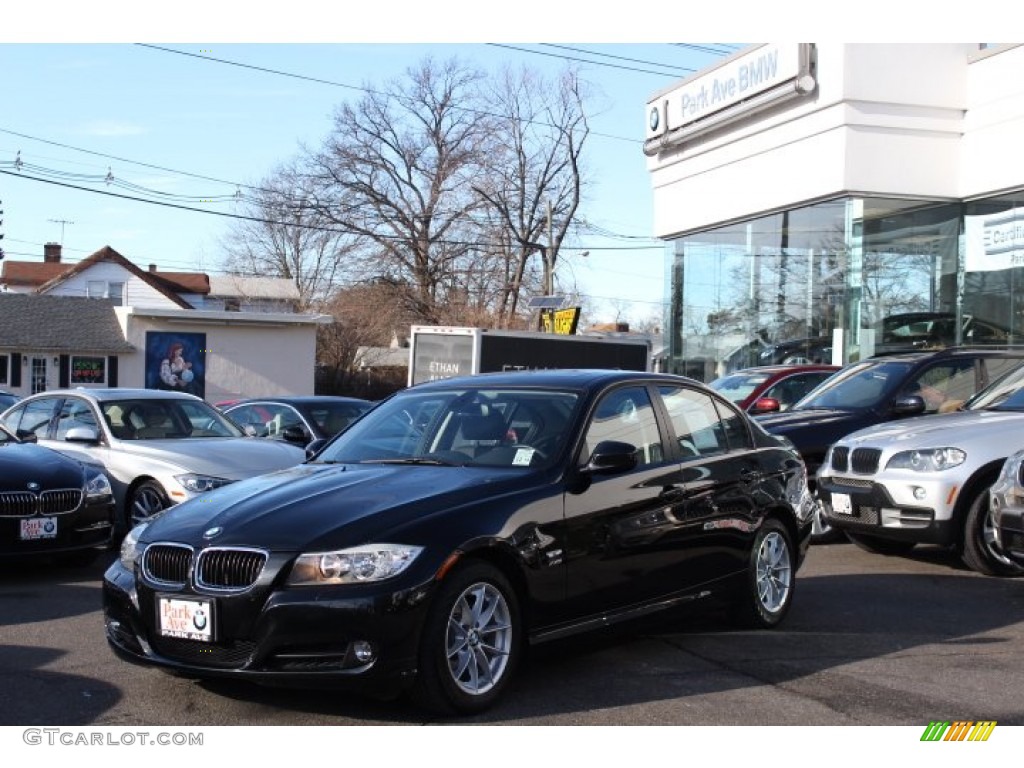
{"x":38,"y":528}
{"x":842,"y":504}
{"x":186,"y":618}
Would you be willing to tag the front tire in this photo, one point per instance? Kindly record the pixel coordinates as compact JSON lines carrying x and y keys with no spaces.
{"x":471,"y":642}
{"x":770,"y":578}
{"x":981,"y":553}
{"x":145,"y":500}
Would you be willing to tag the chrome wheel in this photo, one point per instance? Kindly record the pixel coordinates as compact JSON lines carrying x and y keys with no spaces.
{"x":774,"y":572}
{"x":147,"y":500}
{"x":479,"y":639}
{"x":981,"y":550}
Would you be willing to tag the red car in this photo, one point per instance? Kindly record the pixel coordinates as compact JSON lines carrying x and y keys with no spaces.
{"x":770,"y":388}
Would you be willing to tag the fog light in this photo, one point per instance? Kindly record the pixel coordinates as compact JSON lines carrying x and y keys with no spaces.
{"x":919,"y":493}
{"x":363,"y":651}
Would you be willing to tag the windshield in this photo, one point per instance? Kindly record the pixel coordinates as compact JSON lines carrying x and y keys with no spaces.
{"x":166,"y":420}
{"x":738,"y":386}
{"x":464,"y":427}
{"x":1004,"y":394}
{"x":857,"y":387}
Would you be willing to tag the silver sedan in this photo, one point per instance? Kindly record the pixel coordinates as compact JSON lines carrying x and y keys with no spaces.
{"x":158,"y":448}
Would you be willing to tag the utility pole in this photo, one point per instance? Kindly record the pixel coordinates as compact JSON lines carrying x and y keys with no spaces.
{"x":62,"y":222}
{"x":549,"y":258}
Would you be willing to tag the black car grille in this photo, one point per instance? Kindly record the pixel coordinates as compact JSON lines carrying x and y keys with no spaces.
{"x":840,"y":459}
{"x":167,"y":563}
{"x":27,"y":503}
{"x":215,"y":568}
{"x":864,"y":461}
{"x":229,"y":656}
{"x":229,"y":568}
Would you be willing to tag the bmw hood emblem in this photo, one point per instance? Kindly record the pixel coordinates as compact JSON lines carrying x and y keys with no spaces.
{"x":210,"y":533}
{"x":33,"y":486}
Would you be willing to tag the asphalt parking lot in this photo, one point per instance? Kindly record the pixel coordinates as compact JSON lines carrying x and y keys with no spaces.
{"x":871,"y":640}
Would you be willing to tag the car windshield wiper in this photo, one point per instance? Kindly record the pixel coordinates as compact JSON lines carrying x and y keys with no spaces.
{"x":415,"y":460}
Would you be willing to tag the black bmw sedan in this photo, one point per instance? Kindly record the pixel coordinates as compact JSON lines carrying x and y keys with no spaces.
{"x":50,"y":504}
{"x":461,"y":519}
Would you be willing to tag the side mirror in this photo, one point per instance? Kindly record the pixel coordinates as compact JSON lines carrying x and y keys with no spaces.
{"x":908,"y":405}
{"x":611,"y":457}
{"x":82,"y":435}
{"x":314,"y":447}
{"x":26,"y":436}
{"x":764,"y":405}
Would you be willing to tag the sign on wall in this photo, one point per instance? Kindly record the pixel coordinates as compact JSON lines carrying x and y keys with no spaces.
{"x":994,"y":242}
{"x":176,"y":362}
{"x":88,"y":370}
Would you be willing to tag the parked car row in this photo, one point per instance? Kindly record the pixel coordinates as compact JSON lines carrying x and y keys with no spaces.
{"x":437,"y":534}
{"x":883,"y":390}
{"x":157,"y":448}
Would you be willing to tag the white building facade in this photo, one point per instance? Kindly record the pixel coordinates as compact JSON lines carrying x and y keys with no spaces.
{"x":843,"y":196}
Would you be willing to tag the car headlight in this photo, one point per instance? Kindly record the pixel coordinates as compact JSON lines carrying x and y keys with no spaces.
{"x":359,"y":565}
{"x":194,"y":483}
{"x":928,"y":460}
{"x":98,"y":487}
{"x":130,"y":546}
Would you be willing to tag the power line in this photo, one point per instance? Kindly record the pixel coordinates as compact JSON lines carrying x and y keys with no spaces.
{"x":584,"y":61}
{"x":261,"y":220}
{"x":363,"y":89}
{"x":619,"y":58}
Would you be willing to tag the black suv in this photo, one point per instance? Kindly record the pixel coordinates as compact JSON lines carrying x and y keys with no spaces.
{"x":883,"y":389}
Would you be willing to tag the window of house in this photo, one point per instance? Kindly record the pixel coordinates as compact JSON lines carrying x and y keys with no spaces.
{"x":5,"y":361}
{"x":232,"y":305}
{"x":104,"y":289}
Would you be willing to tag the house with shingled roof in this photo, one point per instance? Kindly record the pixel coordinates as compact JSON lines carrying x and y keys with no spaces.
{"x":105,"y":322}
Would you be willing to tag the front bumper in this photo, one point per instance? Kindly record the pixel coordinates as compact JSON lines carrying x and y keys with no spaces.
{"x":88,"y":527}
{"x":892,"y":511}
{"x":297,"y":637}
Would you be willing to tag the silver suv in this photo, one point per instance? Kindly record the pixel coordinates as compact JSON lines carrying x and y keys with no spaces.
{"x":927,"y":480}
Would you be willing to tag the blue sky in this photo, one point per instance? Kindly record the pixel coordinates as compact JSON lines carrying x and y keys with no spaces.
{"x":81,"y":97}
{"x":185,"y":125}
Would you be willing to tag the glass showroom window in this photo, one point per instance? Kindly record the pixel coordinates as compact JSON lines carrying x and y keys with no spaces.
{"x":901,"y":277}
{"x":740,"y":293}
{"x":994,"y":269}
{"x":814,"y":284}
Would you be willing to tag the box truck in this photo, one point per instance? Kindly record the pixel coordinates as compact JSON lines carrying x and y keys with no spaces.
{"x":441,"y":352}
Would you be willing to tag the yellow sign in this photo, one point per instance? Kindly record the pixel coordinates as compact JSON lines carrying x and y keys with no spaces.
{"x":562,"y":322}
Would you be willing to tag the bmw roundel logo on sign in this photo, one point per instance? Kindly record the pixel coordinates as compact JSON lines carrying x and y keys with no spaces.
{"x":655,"y":118}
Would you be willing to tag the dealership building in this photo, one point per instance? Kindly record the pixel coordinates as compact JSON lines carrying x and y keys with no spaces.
{"x":848,"y":198}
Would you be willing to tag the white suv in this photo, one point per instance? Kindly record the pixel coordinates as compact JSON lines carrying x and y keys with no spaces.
{"x":928,"y":479}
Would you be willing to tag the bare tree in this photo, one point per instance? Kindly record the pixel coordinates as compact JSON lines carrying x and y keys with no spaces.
{"x":534,"y":181}
{"x":285,"y":236}
{"x":398,"y":170}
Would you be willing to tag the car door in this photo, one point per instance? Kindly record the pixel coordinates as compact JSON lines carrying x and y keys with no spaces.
{"x":618,"y":528}
{"x":720,"y":474}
